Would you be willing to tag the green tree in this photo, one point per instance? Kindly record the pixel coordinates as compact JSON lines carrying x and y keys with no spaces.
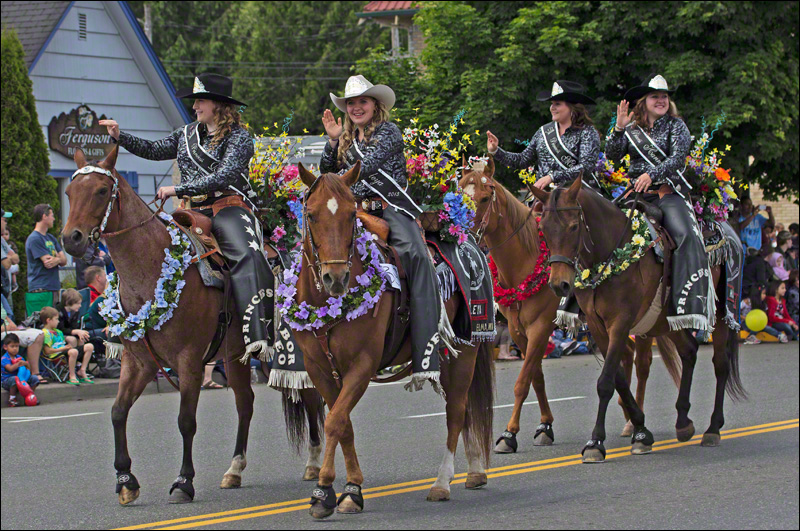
{"x":24,"y":157}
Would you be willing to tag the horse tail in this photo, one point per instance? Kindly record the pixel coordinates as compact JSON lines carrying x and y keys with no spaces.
{"x":671,"y":358}
{"x":733,"y":385}
{"x":296,"y":413}
{"x":480,"y":404}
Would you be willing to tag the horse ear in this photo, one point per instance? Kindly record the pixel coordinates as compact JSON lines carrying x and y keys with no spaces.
{"x":79,"y":158}
{"x":539,"y":194}
{"x":464,"y":161}
{"x":306,"y":176}
{"x":488,"y":170}
{"x":111,"y":159}
{"x":574,"y":189}
{"x":351,"y":177}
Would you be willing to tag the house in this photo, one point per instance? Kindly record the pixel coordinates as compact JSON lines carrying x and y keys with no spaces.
{"x":407,"y":38}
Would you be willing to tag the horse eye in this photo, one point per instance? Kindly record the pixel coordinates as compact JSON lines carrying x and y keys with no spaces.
{"x":573,"y":227}
{"x":485,"y":200}
{"x":102,"y":191}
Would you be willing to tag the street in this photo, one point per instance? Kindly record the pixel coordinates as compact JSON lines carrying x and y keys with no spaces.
{"x":57,"y":466}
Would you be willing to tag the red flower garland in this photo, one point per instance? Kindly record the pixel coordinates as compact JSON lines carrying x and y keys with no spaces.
{"x":528,"y":287}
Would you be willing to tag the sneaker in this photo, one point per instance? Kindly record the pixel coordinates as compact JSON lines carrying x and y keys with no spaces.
{"x":571,"y":348}
{"x":783,"y":338}
{"x":12,"y":401}
{"x":752,"y":340}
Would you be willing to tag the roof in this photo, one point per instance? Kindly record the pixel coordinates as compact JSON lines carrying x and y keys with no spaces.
{"x":383,"y":8}
{"x":33,"y":22}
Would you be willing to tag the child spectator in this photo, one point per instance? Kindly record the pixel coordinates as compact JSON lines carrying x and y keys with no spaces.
{"x":747,"y":306}
{"x":56,"y":345}
{"x":775,"y":260}
{"x":30,"y":338}
{"x":777,"y":313}
{"x":69,"y":321}
{"x":11,"y":362}
{"x":793,"y":296}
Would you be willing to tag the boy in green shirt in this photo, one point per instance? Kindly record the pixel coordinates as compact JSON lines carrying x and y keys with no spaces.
{"x":55,"y":345}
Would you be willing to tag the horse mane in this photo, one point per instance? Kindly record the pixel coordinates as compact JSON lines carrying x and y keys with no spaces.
{"x":517,"y":215}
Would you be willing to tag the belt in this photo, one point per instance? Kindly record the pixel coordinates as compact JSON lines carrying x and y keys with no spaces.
{"x":373,"y":204}
{"x":204,"y":201}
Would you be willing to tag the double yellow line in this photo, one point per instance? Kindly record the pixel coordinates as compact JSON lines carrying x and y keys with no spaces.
{"x":258,"y":511}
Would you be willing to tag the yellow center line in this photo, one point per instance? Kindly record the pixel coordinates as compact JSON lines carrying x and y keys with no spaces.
{"x":424,"y":484}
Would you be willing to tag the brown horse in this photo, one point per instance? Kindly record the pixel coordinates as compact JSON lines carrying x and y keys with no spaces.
{"x":582,"y":224}
{"x":137,"y":239}
{"x":510,"y":230}
{"x":356,"y":348}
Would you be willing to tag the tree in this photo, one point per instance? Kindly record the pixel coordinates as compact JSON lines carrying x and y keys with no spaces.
{"x":24,"y":159}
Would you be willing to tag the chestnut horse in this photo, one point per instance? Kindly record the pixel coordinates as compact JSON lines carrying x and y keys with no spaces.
{"x":576,"y":219}
{"x":510,"y":230}
{"x":137,"y":240}
{"x":357,"y":346}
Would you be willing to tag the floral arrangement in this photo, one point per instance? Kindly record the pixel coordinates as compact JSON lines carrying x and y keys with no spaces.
{"x":532,"y":283}
{"x":279,"y":186}
{"x":614,"y":180}
{"x":157,"y":311}
{"x":357,"y":302}
{"x":622,"y":258}
{"x":528,"y":175}
{"x":432,"y":164}
{"x":714,"y":193}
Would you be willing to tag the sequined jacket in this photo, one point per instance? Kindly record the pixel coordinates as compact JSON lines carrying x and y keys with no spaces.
{"x":671,"y":135}
{"x":383,"y":151}
{"x":234,"y":154}
{"x":584,"y":142}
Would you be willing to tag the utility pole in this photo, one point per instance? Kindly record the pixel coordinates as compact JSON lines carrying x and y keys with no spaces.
{"x":148,"y":22}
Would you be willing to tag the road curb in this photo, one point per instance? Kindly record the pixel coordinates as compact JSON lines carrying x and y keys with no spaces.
{"x":101,"y":388}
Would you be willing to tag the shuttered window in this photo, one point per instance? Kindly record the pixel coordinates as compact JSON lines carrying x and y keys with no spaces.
{"x":81,"y":26}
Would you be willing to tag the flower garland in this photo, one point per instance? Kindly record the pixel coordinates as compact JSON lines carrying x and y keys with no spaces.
{"x":357,"y":302}
{"x":157,"y":311}
{"x":532,"y":283}
{"x":622,"y":258}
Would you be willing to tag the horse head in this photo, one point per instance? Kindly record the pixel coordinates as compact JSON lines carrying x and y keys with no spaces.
{"x":330,"y":215}
{"x":91,"y":195}
{"x":561,"y":225}
{"x":480,"y":186}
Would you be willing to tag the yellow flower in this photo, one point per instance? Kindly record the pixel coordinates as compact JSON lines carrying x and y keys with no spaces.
{"x":607,"y":271}
{"x":727,"y":147}
{"x":578,"y":284}
{"x":625,"y":265}
{"x":635,"y":224}
{"x":585,"y":274}
{"x":638,"y":240}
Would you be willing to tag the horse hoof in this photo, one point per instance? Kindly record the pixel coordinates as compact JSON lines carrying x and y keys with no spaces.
{"x":685,"y":434}
{"x":229,"y":481}
{"x":348,"y":506}
{"x":437,"y":494}
{"x":503,"y":448}
{"x":592,"y":455}
{"x":178,"y":496}
{"x":639,"y":448}
{"x":542,"y":440}
{"x":627,"y":431}
{"x":710,"y":439}
{"x":319,"y":512}
{"x":127,"y":496}
{"x":476,"y":480}
{"x":311,"y":474}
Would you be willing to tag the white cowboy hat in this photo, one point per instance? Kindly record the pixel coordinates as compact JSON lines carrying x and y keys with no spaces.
{"x":359,"y":86}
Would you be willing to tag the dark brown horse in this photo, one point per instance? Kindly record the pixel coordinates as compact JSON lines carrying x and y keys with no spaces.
{"x":510,"y":230}
{"x":581,"y":223}
{"x":357,"y":346}
{"x":136,"y":240}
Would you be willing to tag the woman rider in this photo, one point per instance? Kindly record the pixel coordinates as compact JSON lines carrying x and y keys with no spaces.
{"x":368,"y":135}
{"x":213,"y":156}
{"x":658,"y":141}
{"x":561,"y":150}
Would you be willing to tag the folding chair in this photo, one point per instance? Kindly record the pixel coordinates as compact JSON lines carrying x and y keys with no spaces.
{"x":57,"y":367}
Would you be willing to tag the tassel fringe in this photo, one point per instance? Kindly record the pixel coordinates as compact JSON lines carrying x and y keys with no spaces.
{"x":682,"y":322}
{"x":290,"y":382}
{"x":260,"y":349}
{"x":419,"y":379}
{"x":113,"y":350}
{"x":446,"y":280}
{"x":571,"y":321}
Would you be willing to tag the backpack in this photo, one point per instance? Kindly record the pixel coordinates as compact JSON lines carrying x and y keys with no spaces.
{"x":112,"y":368}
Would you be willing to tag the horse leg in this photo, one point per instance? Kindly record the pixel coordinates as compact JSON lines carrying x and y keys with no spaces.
{"x":686,"y":346}
{"x":539,"y":334}
{"x":644,"y":359}
{"x":627,"y":366}
{"x":191,"y":375}
{"x":315,"y":413}
{"x":134,"y":377}
{"x":456,"y":380}
{"x":239,"y":379}
{"x":722,"y":371}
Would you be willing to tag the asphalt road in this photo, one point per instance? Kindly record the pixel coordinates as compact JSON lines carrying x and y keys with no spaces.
{"x":57,"y":469}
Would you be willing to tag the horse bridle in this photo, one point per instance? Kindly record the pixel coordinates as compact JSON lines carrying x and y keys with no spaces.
{"x":307,"y":231}
{"x":485,"y":220}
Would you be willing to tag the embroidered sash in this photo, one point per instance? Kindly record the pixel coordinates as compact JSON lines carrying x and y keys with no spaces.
{"x":386,"y":188}
{"x":561,"y":153}
{"x":651,"y":153}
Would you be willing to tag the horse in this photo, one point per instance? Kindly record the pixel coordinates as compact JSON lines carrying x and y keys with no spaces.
{"x":342,"y":370}
{"x":103,"y":204}
{"x":510,"y":230}
{"x":581,"y":223}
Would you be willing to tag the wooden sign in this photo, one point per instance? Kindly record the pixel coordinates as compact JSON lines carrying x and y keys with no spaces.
{"x":79,"y":129}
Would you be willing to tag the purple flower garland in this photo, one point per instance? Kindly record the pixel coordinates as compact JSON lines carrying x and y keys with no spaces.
{"x":360,"y":299}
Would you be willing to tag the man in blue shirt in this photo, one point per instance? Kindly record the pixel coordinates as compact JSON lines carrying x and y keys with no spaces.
{"x":44,"y":257}
{"x":751,"y":224}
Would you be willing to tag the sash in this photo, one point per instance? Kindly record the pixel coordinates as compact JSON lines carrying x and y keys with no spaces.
{"x":387,"y":188}
{"x":562,"y":155}
{"x":208,"y":163}
{"x":651,"y":153}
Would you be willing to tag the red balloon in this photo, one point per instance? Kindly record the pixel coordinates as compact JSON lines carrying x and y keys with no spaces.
{"x":31,"y":400}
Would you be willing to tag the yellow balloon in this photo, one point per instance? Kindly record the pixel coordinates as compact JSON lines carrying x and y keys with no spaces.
{"x":756,"y":320}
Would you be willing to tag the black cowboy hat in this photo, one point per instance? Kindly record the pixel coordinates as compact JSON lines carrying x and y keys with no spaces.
{"x":210,"y":87}
{"x":568,"y":91}
{"x":651,"y":83}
